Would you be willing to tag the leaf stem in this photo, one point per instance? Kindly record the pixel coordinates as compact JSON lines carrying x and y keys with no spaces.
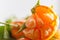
{"x":22,"y":27}
{"x":38,"y":2}
{"x":3,"y":23}
{"x":33,"y":9}
{"x":8,"y":24}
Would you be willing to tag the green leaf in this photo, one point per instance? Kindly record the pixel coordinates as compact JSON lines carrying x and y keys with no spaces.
{"x":6,"y":33}
{"x":8,"y":26}
{"x":8,"y":39}
{"x":1,"y":31}
{"x":38,"y":2}
{"x":27,"y":17}
{"x":8,"y":20}
{"x":5,"y":30}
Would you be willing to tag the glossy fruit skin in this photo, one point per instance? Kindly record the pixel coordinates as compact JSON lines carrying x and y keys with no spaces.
{"x":15,"y":29}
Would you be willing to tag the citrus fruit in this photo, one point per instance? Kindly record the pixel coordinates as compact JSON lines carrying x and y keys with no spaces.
{"x":44,"y":23}
{"x":41,"y":25}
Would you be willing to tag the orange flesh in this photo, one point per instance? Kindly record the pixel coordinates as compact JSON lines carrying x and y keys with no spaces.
{"x":42,"y":27}
{"x":49,"y":29}
{"x":46,"y":29}
{"x":15,"y":29}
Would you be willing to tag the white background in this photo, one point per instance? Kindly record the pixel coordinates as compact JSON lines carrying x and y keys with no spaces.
{"x":22,"y":8}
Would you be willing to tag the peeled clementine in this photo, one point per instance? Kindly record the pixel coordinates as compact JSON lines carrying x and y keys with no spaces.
{"x":41,"y":25}
{"x":45,"y":23}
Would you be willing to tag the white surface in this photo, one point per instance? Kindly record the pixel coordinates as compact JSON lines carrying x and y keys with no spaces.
{"x":21,"y":8}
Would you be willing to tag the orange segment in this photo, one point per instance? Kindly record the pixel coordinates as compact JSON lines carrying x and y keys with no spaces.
{"x":28,"y":33}
{"x":37,"y":35}
{"x":30,"y":23}
{"x":15,"y":29}
{"x":15,"y":35}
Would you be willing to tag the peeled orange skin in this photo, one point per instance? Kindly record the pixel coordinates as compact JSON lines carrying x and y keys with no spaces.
{"x":41,"y":12}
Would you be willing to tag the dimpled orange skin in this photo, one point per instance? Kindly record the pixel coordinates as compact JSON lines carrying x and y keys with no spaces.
{"x":45,"y":25}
